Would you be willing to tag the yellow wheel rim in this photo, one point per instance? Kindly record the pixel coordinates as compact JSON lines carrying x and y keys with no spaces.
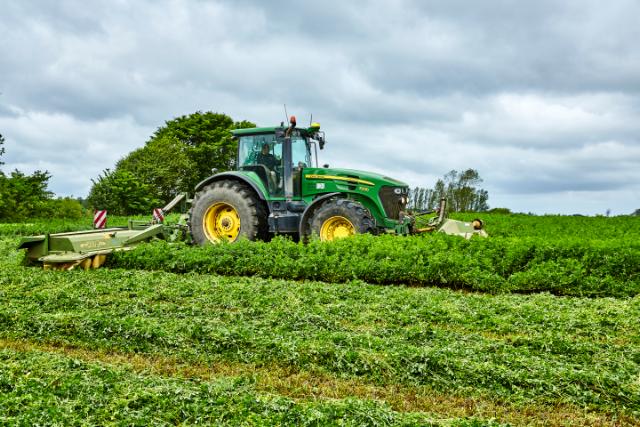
{"x":221,"y":222}
{"x":336,"y":227}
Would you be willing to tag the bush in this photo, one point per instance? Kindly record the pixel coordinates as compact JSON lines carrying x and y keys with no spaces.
{"x":503,"y":211}
{"x":23,"y":196}
{"x":121,"y":193}
{"x":66,"y":208}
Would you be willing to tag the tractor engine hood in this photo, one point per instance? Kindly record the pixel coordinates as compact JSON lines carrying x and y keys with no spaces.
{"x":385,"y":197}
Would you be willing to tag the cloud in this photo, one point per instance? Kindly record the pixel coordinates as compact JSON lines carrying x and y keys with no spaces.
{"x":72,"y":150}
{"x":542,"y":98}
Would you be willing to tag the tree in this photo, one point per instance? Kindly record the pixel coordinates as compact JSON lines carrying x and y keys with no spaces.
{"x":62,"y":207}
{"x":175,"y":159}
{"x":459,"y":188}
{"x":162,"y":164}
{"x":503,"y":211}
{"x":462,"y":192}
{"x":24,"y":196}
{"x":121,"y":193}
{"x":207,"y":143}
{"x":420,"y":199}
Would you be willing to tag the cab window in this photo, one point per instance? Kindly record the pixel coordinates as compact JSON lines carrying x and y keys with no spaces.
{"x":262,"y":154}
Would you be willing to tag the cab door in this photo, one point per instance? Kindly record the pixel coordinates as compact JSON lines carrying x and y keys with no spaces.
{"x":300,"y":159}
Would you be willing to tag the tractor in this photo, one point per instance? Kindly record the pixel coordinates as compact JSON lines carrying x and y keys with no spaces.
{"x":278,"y":188}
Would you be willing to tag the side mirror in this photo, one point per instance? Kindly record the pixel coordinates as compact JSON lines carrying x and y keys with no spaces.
{"x":320,"y":136}
{"x":279,"y":134}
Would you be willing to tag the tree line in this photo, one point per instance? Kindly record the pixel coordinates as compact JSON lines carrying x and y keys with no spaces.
{"x":460,"y":189}
{"x":27,"y":196}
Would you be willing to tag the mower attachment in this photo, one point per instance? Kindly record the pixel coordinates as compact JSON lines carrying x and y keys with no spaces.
{"x":87,"y":249}
{"x":442,"y":224}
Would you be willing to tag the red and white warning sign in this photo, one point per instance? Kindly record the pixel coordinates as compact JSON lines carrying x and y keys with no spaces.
{"x":158,"y":215}
{"x":99,"y":219}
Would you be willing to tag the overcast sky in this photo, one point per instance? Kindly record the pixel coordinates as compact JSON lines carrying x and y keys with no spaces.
{"x":542,"y":98}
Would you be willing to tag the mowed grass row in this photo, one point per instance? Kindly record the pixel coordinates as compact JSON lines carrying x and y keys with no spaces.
{"x":47,"y":384}
{"x":40,"y":388}
{"x":563,"y":267}
{"x":517,"y":349}
{"x":53,"y":384}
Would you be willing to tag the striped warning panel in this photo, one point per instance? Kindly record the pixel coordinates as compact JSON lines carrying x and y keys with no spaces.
{"x":158,"y":215}
{"x":99,"y":219}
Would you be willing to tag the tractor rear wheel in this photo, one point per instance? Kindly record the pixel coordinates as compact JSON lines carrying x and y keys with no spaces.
{"x":226,"y":211}
{"x":339,"y":218}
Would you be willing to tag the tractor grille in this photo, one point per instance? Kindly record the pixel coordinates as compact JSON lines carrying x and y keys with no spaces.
{"x":393,"y":200}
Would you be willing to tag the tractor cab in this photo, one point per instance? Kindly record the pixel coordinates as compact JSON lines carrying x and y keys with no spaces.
{"x":277,"y":155}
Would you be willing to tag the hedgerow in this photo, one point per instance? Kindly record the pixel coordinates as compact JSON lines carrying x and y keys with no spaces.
{"x":563,"y":267}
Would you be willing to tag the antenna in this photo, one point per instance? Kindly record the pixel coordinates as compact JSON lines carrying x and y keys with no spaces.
{"x":311,"y":120}
{"x":286,"y":116}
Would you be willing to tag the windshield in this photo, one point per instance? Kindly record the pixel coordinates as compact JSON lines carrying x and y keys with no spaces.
{"x":267,"y":150}
{"x":263,"y":155}
{"x":260,"y":149}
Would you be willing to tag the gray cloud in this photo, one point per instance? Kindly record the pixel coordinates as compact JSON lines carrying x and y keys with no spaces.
{"x":542,"y":98}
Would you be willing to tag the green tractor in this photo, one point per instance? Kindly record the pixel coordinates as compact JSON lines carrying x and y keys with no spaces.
{"x":278,"y":188}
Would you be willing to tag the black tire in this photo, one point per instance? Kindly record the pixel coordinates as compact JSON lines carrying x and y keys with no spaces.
{"x":250,"y":210}
{"x":353,"y":211}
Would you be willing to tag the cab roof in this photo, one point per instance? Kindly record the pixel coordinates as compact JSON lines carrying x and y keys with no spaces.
{"x":263,"y":130}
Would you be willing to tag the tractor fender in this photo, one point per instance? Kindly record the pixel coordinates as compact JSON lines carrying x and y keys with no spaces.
{"x":312,"y":206}
{"x":233,"y":176}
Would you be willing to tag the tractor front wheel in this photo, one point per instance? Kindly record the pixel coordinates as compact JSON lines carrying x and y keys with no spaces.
{"x":339,"y":218}
{"x":226,"y":211}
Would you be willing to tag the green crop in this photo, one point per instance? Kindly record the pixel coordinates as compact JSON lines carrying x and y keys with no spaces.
{"x":303,"y":338}
{"x":516,"y":348}
{"x":555,"y":227}
{"x":39,"y":388}
{"x":56,"y":225}
{"x":563,"y":267}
